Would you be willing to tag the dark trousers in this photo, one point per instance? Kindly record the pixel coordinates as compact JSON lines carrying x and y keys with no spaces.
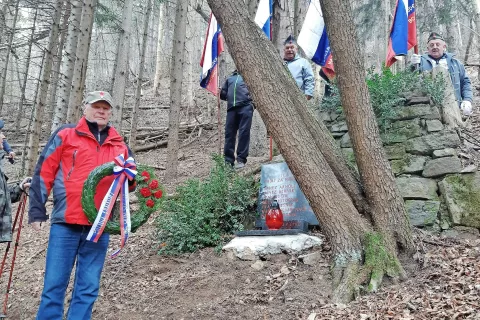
{"x":238,"y":119}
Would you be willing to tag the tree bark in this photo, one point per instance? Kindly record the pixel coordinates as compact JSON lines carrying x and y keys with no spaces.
{"x":469,"y":43}
{"x":134,"y":117}
{"x":43,"y":90}
{"x":3,"y":78}
{"x":159,"y":59}
{"x":477,"y":28}
{"x":178,"y":54}
{"x":121,"y":70}
{"x":81,"y":61}
{"x":68,"y":66}
{"x":20,"y":112}
{"x":278,"y":100}
{"x":386,"y":204}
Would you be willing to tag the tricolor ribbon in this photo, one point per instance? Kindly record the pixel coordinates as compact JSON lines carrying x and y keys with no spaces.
{"x":123,"y":172}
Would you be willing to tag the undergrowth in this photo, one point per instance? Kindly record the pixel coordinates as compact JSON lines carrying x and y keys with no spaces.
{"x":203,"y":213}
{"x":387,"y":90}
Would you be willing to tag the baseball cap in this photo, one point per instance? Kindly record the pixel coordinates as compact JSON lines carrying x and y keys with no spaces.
{"x":96,"y":96}
{"x":435,"y":36}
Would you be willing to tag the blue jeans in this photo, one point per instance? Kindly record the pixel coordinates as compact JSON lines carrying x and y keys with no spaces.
{"x":68,"y":243}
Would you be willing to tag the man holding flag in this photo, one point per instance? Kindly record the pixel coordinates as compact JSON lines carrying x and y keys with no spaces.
{"x":437,"y":56}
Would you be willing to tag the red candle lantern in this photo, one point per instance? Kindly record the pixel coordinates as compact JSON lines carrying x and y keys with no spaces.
{"x":274,"y":216}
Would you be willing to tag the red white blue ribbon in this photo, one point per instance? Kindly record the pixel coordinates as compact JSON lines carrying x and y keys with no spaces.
{"x":123,"y":171}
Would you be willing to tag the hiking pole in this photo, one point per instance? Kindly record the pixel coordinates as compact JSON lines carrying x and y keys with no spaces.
{"x":21,"y":211}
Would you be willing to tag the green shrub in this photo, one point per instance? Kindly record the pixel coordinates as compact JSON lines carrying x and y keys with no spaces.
{"x":387,"y":90}
{"x":202,"y":213}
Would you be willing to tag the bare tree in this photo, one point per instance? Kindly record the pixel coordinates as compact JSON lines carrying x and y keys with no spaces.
{"x":178,"y":54}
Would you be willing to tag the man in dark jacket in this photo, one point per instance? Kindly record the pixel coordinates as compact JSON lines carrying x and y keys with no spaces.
{"x":239,"y":118}
{"x":438,"y":56}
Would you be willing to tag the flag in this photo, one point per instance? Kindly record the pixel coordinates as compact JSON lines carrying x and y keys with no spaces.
{"x":211,"y":50}
{"x":314,"y":40}
{"x":403,"y":34}
{"x":264,"y":15}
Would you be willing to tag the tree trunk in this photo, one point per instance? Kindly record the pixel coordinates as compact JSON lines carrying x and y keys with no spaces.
{"x":386,"y":204}
{"x":469,"y":42}
{"x":278,"y":100}
{"x":23,"y":87}
{"x":121,"y":70}
{"x":158,"y":67}
{"x":81,"y":61}
{"x":477,"y":29}
{"x":178,"y":53}
{"x":134,"y":118}
{"x":3,"y":77}
{"x":68,"y":66}
{"x":43,"y":90}
{"x":49,"y":115}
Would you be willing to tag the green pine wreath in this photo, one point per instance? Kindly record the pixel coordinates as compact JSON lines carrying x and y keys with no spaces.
{"x":149,"y":193}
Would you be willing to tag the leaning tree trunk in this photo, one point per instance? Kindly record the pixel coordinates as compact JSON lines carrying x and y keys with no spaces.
{"x":121,"y":70}
{"x":43,"y":90}
{"x":386,"y":204}
{"x":178,"y":59}
{"x":278,"y":100}
{"x":68,"y":66}
{"x":141,"y":67}
{"x":81,"y":60}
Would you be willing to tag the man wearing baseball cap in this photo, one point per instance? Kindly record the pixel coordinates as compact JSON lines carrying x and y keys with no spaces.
{"x":438,"y":56}
{"x":72,"y":152}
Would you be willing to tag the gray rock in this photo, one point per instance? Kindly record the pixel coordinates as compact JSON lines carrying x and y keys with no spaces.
{"x":395,"y":151}
{"x":417,"y":100}
{"x":462,"y":198}
{"x":442,"y":166}
{"x":469,"y":169}
{"x":340,"y":127}
{"x":401,"y":131}
{"x":258,"y":265}
{"x":425,"y":145}
{"x":334,"y":115}
{"x":345,"y":142}
{"x":409,"y":164}
{"x":311,"y":258}
{"x":325,"y":116}
{"x":422,"y":213}
{"x":434,"y":125}
{"x":337,"y":134}
{"x":250,"y":248}
{"x":416,"y":111}
{"x":448,"y":152}
{"x":465,"y":233}
{"x":416,"y":188}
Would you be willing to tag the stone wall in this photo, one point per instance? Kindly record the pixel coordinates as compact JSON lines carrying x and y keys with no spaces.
{"x":438,"y":192}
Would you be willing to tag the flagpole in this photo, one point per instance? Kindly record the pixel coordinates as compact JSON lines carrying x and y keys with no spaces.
{"x":219,"y":120}
{"x":270,"y":158}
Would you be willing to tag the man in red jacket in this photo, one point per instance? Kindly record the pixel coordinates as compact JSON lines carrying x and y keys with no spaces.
{"x":71,"y":153}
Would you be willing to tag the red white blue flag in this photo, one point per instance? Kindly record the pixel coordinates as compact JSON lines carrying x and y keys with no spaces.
{"x":211,"y":50}
{"x":264,"y":16}
{"x":403,"y":34}
{"x":314,"y":41}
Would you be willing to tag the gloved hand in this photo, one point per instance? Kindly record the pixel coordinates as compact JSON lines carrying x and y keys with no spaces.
{"x":415,"y":59}
{"x":25,"y":184}
{"x":466,"y":107}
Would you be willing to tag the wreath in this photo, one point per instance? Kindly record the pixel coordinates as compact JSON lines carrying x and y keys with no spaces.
{"x":149,"y":193}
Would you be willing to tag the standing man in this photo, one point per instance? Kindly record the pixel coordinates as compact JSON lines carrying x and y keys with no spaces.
{"x":239,"y":118}
{"x":438,"y":56}
{"x":71,"y":153}
{"x":6,"y":147}
{"x":8,"y":195}
{"x":299,"y":67}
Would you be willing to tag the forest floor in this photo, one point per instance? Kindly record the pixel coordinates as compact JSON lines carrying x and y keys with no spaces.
{"x":443,"y":283}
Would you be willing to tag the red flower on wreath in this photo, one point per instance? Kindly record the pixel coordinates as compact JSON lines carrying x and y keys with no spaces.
{"x":154,"y":184}
{"x":150,"y":203}
{"x":158,"y":194}
{"x":146,"y":176}
{"x":145,"y":192}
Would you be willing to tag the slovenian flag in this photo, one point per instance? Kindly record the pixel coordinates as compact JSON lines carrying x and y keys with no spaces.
{"x":211,"y":50}
{"x":403,"y":34}
{"x":314,"y":40}
{"x":264,"y":15}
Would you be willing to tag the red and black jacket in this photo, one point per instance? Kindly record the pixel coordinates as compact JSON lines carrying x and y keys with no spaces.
{"x":71,"y":153}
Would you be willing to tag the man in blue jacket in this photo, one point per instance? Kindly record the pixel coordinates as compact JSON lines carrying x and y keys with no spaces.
{"x":239,"y":118}
{"x":299,"y":67}
{"x":437,"y":56}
